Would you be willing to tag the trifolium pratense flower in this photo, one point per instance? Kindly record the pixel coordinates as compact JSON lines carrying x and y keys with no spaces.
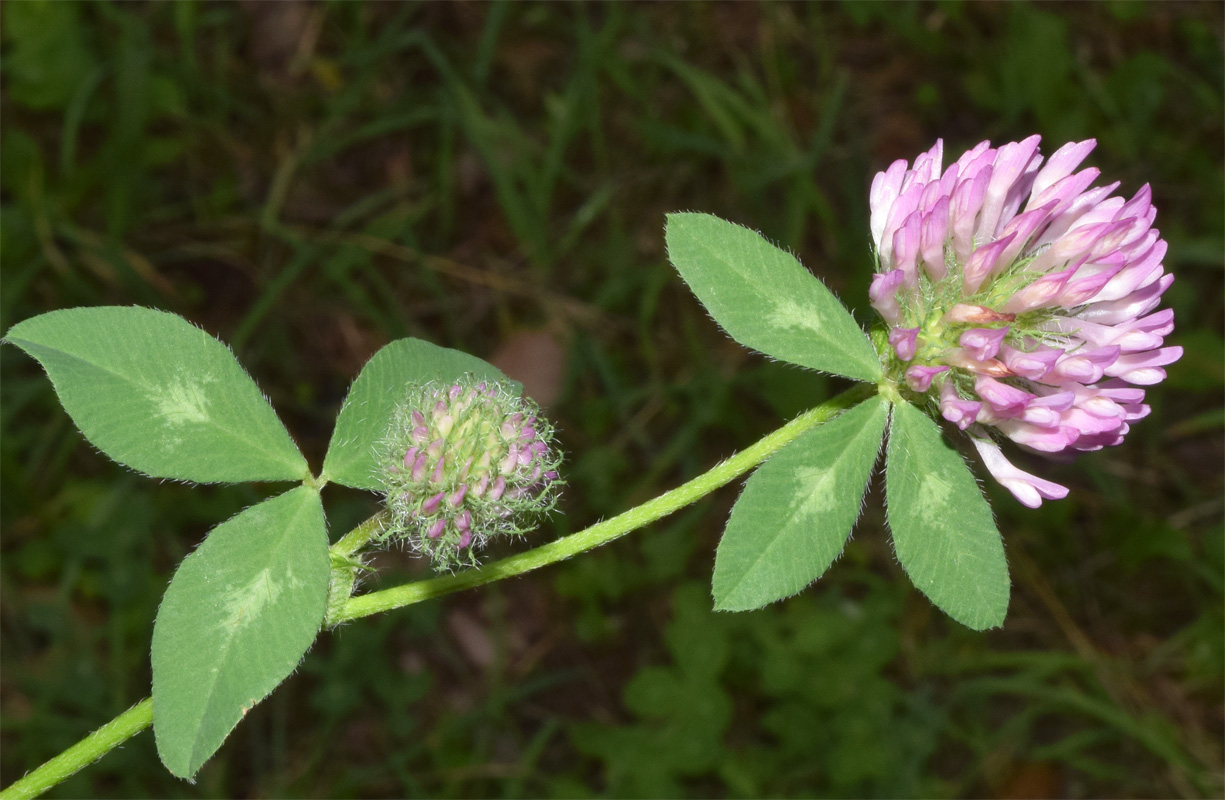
{"x":1019,"y":300}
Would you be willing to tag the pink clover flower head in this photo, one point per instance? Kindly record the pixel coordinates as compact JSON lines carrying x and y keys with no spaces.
{"x":1020,"y":301}
{"x":463,"y":463}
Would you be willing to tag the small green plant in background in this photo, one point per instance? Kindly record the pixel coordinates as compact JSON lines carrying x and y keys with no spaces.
{"x":1018,"y":303}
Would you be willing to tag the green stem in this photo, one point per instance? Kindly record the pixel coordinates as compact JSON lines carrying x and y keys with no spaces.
{"x":140,"y":716}
{"x":602,"y":532}
{"x":84,"y":752}
{"x":356,"y":539}
{"x":346,"y":563}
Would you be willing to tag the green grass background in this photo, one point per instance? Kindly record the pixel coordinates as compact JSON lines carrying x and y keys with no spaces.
{"x":309,"y":181}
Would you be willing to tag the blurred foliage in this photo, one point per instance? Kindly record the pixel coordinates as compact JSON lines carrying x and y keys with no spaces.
{"x":310,"y":180}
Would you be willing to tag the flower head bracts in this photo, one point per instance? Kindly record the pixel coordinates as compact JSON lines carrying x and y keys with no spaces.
{"x":1019,"y":300}
{"x":464,"y":463}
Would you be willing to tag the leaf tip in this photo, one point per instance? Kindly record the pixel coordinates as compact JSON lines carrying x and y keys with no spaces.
{"x":733,"y":601}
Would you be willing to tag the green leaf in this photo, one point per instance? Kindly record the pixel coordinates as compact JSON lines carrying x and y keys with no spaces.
{"x":796,"y":512}
{"x":353,"y":452}
{"x":943,"y":531}
{"x":159,"y":395}
{"x":765,"y":299}
{"x":237,"y":618}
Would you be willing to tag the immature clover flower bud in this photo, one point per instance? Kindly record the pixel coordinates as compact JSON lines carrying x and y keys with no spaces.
{"x":466,"y":462}
{"x":1019,"y":300}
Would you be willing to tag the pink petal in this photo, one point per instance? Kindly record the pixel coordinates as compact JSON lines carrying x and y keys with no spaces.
{"x":1071,"y":246}
{"x":1047,"y":411}
{"x":1011,"y":163}
{"x":1061,"y":163}
{"x":961,"y":413}
{"x":932,"y":238}
{"x":1140,"y":272}
{"x":1024,"y":227}
{"x":983,"y":343}
{"x":885,"y":188}
{"x":984,"y":263}
{"x":905,"y":205}
{"x":1046,"y":440}
{"x":963,"y":211}
{"x":1086,"y":365}
{"x":1134,"y":306}
{"x":1083,"y":287}
{"x":906,"y":247}
{"x":1038,"y":294}
{"x":919,"y":377}
{"x":1003,"y":400}
{"x":903,"y":342}
{"x":1071,"y":214}
{"x":1030,"y":490}
{"x":1144,"y":369}
{"x":883,"y":294}
{"x":1033,"y":364}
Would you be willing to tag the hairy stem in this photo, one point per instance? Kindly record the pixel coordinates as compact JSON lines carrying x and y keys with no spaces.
{"x":84,"y":752}
{"x":601,"y":532}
